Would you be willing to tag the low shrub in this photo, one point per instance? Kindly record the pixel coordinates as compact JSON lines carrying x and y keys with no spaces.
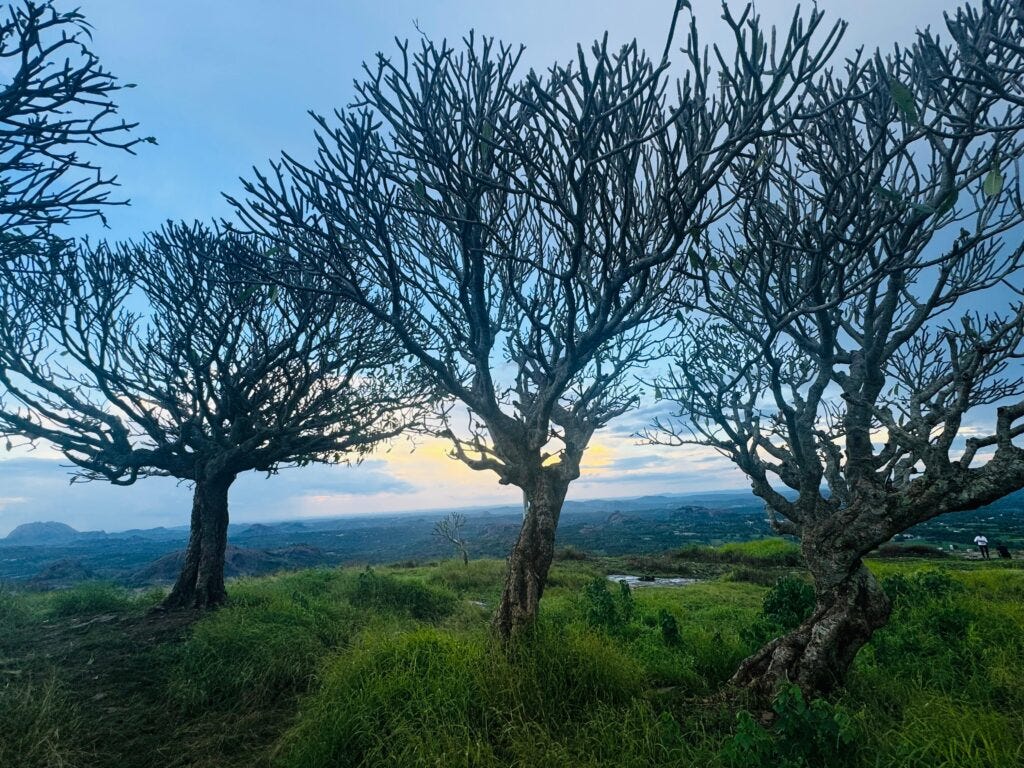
{"x":669,"y":627}
{"x":784,"y":607}
{"x":920,"y":586}
{"x":601,"y":608}
{"x":788,"y":602}
{"x":802,"y":735}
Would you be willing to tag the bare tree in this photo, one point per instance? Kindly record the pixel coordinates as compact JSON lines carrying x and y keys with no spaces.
{"x":160,"y":360}
{"x":55,"y":101}
{"x":517,"y":233}
{"x":861,"y":312}
{"x":449,"y":528}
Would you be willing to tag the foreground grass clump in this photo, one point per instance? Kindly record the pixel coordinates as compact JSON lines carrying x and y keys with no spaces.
{"x":431,"y":697}
{"x":267,"y":642}
{"x":41,"y":725}
{"x":91,"y":598}
{"x":384,"y":592}
{"x":271,"y":638}
{"x":14,"y":611}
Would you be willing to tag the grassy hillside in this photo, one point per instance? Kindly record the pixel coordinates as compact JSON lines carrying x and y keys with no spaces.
{"x":394,"y":667}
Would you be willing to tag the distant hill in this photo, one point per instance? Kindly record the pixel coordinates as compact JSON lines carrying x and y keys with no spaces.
{"x":47,"y":534}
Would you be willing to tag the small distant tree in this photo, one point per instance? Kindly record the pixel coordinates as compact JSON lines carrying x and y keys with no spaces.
{"x":159,"y":359}
{"x":449,"y":528}
{"x":863,"y":308}
{"x":56,"y":100}
{"x":517,"y":234}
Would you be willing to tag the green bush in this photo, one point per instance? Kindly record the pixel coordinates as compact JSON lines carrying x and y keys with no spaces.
{"x":669,"y":627}
{"x":403,"y":596}
{"x":919,"y":586}
{"x":788,"y":602}
{"x":802,"y":735}
{"x":784,"y":607}
{"x":599,"y":607}
{"x":627,"y":605}
{"x":602,"y":609}
{"x":751,"y":574}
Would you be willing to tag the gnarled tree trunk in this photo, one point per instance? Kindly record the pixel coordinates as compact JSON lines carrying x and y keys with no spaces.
{"x":850,"y":606}
{"x":201,"y":582}
{"x":531,"y":557}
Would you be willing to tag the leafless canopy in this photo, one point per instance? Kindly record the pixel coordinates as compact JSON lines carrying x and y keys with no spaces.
{"x":517,"y":232}
{"x":160,"y":359}
{"x":56,"y":101}
{"x":863,"y":306}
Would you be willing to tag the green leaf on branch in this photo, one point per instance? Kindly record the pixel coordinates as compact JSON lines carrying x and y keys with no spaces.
{"x":993,"y":183}
{"x":487,"y":136}
{"x":694,"y":260}
{"x":888,"y":194}
{"x":904,"y":99}
{"x":947,"y":202}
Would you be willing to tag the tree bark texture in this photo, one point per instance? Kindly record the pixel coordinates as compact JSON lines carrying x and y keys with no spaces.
{"x":530,"y":560}
{"x":850,"y":605}
{"x":201,"y":582}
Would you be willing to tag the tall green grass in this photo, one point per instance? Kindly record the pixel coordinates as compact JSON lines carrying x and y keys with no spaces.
{"x":94,"y":597}
{"x":769,"y":552}
{"x":430,"y":697}
{"x":14,"y":612}
{"x":396,"y":667}
{"x":602,"y":685}
{"x":41,"y":725}
{"x":943,"y":684}
{"x":273,"y":635}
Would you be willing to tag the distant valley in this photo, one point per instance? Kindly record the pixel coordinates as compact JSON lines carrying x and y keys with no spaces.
{"x":51,"y":554}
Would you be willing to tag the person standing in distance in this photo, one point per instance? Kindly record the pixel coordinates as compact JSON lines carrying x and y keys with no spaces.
{"x":982,"y":543}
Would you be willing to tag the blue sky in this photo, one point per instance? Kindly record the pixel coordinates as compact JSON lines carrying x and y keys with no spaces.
{"x":226,"y":85}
